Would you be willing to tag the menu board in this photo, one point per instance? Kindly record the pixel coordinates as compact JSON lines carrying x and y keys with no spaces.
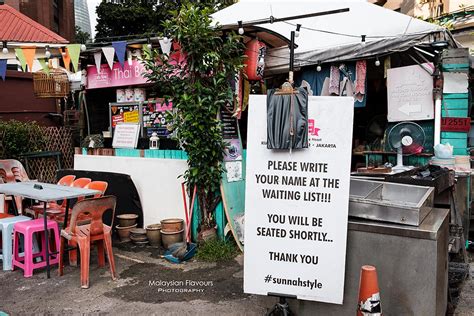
{"x":229,"y":124}
{"x":124,"y":113}
{"x":154,"y":117}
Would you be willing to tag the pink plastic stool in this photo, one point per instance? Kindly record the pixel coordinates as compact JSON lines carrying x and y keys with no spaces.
{"x":28,"y":229}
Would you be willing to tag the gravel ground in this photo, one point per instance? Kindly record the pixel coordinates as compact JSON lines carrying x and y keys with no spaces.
{"x":146,"y":285}
{"x":149,"y":285}
{"x":465,"y":305}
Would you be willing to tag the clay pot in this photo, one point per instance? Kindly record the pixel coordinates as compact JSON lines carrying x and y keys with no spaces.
{"x":153,"y":232}
{"x":126,"y":220}
{"x":124,"y":232}
{"x":169,"y":238}
{"x":172,"y":225}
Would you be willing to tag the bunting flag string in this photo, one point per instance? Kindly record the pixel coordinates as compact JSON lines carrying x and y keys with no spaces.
{"x":109,"y":53}
{"x":21,"y":58}
{"x":44,"y":65}
{"x":74,"y":50}
{"x":120,"y":50}
{"x":29,"y":53}
{"x":3,"y":68}
{"x":146,"y":50}
{"x":166,"y":46}
{"x":66,"y":58}
{"x":97,"y":59}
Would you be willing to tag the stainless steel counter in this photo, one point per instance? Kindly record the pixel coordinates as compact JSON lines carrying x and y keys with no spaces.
{"x":411,"y":264}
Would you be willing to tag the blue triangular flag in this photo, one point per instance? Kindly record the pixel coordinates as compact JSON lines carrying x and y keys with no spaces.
{"x":120,"y":50}
{"x":3,"y":68}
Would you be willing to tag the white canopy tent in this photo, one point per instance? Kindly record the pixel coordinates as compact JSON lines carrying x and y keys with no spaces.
{"x":329,"y":38}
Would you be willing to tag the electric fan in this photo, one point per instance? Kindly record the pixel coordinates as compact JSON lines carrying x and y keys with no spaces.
{"x":407,"y":138}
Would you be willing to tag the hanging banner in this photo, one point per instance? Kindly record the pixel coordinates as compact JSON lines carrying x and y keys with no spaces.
{"x":166,"y":46}
{"x":66,"y":58}
{"x":21,"y":58}
{"x":74,"y":50}
{"x":120,"y":50}
{"x":115,"y":77}
{"x":296,"y":205}
{"x":3,"y":68}
{"x":29,"y":53}
{"x":44,"y":65}
{"x":109,"y":55}
{"x":97,"y":59}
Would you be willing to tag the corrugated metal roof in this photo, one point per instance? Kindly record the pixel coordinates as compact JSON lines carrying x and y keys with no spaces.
{"x":17,"y":27}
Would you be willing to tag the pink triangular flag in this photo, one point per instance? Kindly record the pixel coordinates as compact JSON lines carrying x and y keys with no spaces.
{"x":97,"y":58}
{"x":109,"y":53}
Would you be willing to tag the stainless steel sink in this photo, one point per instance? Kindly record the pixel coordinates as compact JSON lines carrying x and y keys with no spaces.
{"x":390,"y":202}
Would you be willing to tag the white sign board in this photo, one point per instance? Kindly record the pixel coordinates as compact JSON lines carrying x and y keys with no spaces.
{"x":410,"y":94}
{"x":296,"y":205}
{"x":126,"y":135}
{"x":455,"y":82}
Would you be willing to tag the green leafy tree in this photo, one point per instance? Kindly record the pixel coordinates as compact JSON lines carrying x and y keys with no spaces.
{"x":134,"y":17}
{"x":81,"y":36}
{"x":199,"y":87}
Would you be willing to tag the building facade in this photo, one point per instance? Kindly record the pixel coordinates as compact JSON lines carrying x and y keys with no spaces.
{"x":56,"y":15}
{"x":456,"y":15}
{"x":81,"y":13}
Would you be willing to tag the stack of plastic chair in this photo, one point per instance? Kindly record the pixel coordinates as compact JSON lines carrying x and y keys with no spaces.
{"x":30,"y":229}
{"x":84,"y":235}
{"x":12,"y":170}
{"x":35,"y":210}
{"x":6,"y":228}
{"x":54,"y":212}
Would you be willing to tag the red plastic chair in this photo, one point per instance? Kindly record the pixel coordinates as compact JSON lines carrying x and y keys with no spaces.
{"x":85,"y":235}
{"x":35,"y":210}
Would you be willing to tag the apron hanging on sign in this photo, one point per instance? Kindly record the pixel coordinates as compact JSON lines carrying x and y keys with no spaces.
{"x":287,"y":120}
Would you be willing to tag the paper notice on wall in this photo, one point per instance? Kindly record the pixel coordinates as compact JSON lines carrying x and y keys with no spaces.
{"x":296,"y":205}
{"x":131,"y":117}
{"x":455,"y":82}
{"x":126,"y":135}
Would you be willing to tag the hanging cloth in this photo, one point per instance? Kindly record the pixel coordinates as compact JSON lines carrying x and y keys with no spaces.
{"x":334,"y":77}
{"x":287,"y":120}
{"x":361,"y":74}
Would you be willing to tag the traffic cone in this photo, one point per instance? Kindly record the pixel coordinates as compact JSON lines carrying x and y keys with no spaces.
{"x":369,"y":295}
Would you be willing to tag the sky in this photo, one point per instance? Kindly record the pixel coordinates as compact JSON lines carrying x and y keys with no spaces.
{"x":91,"y":4}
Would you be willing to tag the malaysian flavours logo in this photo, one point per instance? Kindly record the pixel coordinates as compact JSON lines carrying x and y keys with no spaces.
{"x":315,"y":136}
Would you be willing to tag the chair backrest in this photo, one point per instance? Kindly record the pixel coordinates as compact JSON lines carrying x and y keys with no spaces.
{"x":93,"y":208}
{"x":99,"y":186}
{"x":12,"y":170}
{"x":67,"y":180}
{"x":81,"y":182}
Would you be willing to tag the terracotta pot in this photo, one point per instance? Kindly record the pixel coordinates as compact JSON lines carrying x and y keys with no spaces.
{"x":169,"y":238}
{"x":124,"y":232}
{"x":126,"y":220}
{"x":153,"y":232}
{"x":172,"y":225}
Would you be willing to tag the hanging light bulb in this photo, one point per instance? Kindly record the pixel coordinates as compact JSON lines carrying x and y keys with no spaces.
{"x":318,"y":68}
{"x":363,"y":40}
{"x":241,"y":28}
{"x":166,"y":40}
{"x":5,"y":48}
{"x":298,"y":27}
{"x":377,"y":61}
{"x":47,"y":53}
{"x":83,"y":48}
